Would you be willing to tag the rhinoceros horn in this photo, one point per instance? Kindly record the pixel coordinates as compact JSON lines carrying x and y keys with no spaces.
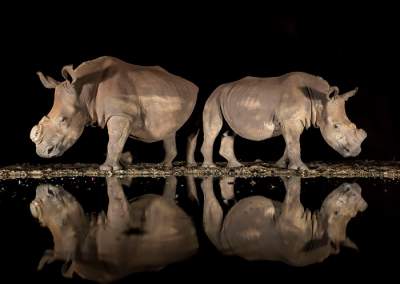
{"x":36,"y":133}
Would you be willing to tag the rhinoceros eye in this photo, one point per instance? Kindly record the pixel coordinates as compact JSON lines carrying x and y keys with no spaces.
{"x":61,"y":120}
{"x":336,"y":125}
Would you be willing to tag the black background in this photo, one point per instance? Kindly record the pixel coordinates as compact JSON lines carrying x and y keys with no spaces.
{"x":349,"y":47}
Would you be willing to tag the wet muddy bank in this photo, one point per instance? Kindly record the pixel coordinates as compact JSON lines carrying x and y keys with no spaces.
{"x":367,"y":169}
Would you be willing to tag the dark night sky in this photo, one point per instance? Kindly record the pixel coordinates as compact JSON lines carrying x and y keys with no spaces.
{"x":349,"y":50}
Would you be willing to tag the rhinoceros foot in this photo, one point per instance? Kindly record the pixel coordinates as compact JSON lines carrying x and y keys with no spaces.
{"x":234,"y":164}
{"x":110,"y":167}
{"x":281,"y":163}
{"x":298,"y":166}
{"x":191,"y":164}
{"x":208,"y":165}
{"x":166,"y":165}
{"x":126,"y":159}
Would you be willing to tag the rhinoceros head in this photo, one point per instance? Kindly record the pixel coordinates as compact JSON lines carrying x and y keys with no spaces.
{"x":338,"y":208}
{"x":53,"y":205}
{"x":59,"y":211}
{"x":336,"y":128}
{"x":346,"y":200}
{"x":64,"y":124}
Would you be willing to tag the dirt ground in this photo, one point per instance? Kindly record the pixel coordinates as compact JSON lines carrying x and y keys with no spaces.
{"x":367,"y":169}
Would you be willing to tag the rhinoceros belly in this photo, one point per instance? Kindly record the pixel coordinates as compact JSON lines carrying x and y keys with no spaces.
{"x":249,"y":230}
{"x":249,"y":112}
{"x":163,"y":115}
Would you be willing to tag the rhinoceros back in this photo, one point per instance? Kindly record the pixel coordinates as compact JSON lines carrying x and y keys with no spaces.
{"x":248,"y":106}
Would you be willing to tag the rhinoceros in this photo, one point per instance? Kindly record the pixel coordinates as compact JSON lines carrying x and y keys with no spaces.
{"x":145,"y":234}
{"x":259,"y":228}
{"x":260,"y":108}
{"x":143,"y":102}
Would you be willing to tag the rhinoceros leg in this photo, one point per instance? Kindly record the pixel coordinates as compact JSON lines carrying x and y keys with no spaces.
{"x":170,"y":150}
{"x":169,"y":191}
{"x":283,"y":161}
{"x":291,"y":204}
{"x":212,"y":213}
{"x":227,"y":185}
{"x":118,"y":131}
{"x":212,"y":124}
{"x":190,"y":149}
{"x":192,"y":190}
{"x":291,"y":133}
{"x":227,"y":151}
{"x":118,"y":206}
{"x":293,"y":213}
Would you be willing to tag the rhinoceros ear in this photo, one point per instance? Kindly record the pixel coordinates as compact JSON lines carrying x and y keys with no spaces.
{"x":333,"y":92}
{"x":68,"y":73}
{"x":47,"y":81}
{"x":348,"y":95}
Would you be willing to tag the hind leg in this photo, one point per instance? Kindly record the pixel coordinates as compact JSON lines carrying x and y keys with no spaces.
{"x":212,"y":124}
{"x":170,"y":150}
{"x":226,"y":150}
{"x":190,"y":149}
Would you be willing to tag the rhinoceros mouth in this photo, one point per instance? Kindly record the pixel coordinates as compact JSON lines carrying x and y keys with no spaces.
{"x":48,"y":151}
{"x":347,"y":152}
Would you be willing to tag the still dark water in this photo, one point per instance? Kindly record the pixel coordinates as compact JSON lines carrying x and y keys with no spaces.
{"x":187,"y":229}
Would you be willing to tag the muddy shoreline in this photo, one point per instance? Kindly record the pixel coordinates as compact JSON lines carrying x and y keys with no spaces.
{"x":366,"y":169}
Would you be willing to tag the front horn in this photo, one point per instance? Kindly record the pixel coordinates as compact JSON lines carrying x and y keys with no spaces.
{"x":36,"y":133}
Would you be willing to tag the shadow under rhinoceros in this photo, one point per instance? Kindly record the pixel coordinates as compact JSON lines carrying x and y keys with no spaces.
{"x":258,"y":228}
{"x":145,"y":234}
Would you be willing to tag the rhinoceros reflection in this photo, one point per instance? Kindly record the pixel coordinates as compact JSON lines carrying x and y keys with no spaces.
{"x":258,"y":228}
{"x":143,"y":235}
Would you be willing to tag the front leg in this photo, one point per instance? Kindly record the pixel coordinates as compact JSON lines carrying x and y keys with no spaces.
{"x":292,"y":204}
{"x":118,"y":214}
{"x":118,"y":131}
{"x":291,"y":133}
